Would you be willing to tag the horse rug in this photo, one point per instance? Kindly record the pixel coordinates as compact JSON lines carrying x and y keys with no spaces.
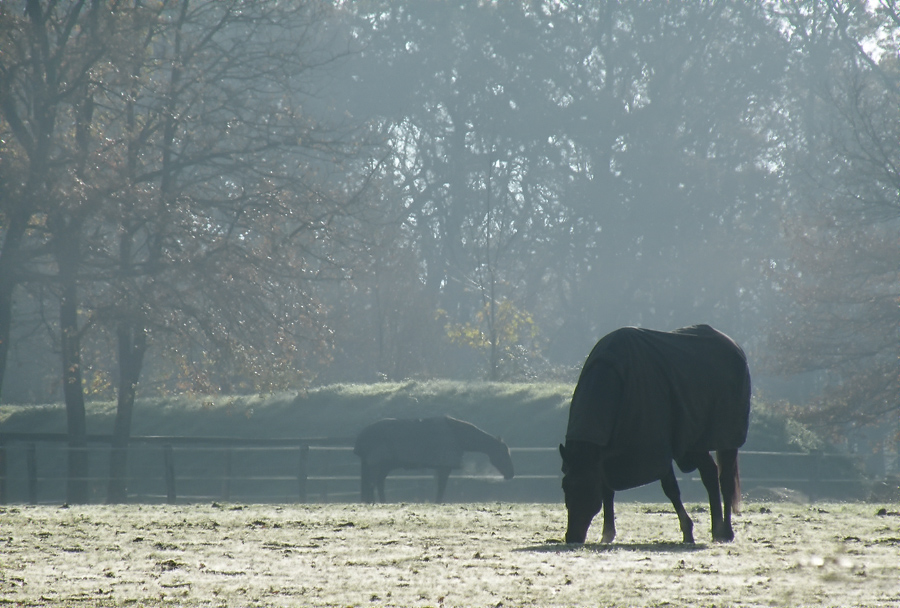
{"x":647,"y":397}
{"x":411,"y":443}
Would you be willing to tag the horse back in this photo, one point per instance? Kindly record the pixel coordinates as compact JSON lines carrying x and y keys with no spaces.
{"x":662,"y":393}
{"x":409,"y":443}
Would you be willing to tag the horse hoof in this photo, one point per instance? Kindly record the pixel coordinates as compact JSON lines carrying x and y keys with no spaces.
{"x":725,"y":537}
{"x":571,"y":539}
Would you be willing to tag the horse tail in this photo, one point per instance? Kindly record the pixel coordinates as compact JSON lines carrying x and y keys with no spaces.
{"x":728,"y":459}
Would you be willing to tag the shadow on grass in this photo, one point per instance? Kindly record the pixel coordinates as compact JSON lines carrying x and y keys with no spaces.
{"x":558,"y":546}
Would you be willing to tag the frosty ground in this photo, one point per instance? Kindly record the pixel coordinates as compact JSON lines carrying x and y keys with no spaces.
{"x":442,"y":555}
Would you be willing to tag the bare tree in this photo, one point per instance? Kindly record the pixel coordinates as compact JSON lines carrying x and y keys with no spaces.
{"x":49,"y":53}
{"x":208,"y":193}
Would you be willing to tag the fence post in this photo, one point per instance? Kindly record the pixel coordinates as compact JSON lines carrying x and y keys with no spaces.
{"x":169,"y":464}
{"x":31,"y":461}
{"x":302,"y":471}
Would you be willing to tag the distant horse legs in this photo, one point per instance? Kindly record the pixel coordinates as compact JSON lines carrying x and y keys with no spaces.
{"x":380,"y":476}
{"x":367,"y":484}
{"x":670,"y":487}
{"x":372,"y":479}
{"x":441,"y":474}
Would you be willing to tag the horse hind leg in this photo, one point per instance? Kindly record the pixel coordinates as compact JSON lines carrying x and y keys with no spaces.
{"x":441,"y":474}
{"x":729,"y":480}
{"x":670,"y":487}
{"x":709,"y":474}
{"x":380,"y":476}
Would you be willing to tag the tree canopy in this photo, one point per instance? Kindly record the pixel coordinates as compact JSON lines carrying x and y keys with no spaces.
{"x":236,"y":196}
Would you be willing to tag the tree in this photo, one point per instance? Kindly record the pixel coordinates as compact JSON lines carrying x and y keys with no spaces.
{"x":627,"y":145}
{"x":45,"y":69}
{"x":240,"y":171}
{"x":209,"y":207}
{"x":841,"y":282}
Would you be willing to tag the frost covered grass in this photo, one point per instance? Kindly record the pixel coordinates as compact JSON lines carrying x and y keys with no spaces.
{"x":441,"y":555}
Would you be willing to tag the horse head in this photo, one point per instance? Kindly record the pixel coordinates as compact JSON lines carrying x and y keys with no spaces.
{"x":583,"y":488}
{"x":501,"y":459}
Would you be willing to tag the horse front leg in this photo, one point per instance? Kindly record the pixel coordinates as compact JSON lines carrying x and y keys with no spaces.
{"x":673,"y":492}
{"x":367,"y":484}
{"x":609,"y":515}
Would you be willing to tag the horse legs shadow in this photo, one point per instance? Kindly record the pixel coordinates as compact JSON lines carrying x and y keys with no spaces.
{"x":560,"y":546}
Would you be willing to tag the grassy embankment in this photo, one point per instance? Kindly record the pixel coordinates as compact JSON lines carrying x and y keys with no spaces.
{"x":523,"y":414}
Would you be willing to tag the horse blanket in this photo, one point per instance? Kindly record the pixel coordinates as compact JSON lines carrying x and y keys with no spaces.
{"x":648,"y":397}
{"x":411,"y":443}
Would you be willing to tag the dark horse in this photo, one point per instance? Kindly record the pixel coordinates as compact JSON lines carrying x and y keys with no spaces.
{"x":644,"y":399}
{"x":430,"y":443}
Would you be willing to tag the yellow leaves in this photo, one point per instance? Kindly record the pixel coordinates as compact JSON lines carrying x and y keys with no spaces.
{"x":498,"y":327}
{"x":98,"y":384}
{"x":468,"y":334}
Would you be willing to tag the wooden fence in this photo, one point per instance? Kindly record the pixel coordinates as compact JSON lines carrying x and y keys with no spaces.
{"x":324,"y":469}
{"x":171,"y":470}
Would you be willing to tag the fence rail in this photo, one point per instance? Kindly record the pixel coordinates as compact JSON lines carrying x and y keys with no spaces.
{"x":192,"y":469}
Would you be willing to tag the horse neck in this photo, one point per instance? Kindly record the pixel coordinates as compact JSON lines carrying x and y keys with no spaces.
{"x":472,"y":439}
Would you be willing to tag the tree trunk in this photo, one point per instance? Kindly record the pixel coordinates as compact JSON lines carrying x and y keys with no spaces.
{"x":77,"y":482}
{"x":9,"y":268}
{"x":132,"y":339}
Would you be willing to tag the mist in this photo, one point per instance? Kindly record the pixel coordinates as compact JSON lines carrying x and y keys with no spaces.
{"x":473,"y":190}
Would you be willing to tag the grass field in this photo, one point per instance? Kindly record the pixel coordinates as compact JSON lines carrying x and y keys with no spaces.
{"x":442,"y":555}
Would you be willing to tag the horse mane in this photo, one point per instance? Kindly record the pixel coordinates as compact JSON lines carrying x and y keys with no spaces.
{"x":470,"y":437}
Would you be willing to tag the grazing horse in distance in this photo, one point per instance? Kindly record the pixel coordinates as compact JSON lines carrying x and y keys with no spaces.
{"x":430,"y":443}
{"x":644,"y":399}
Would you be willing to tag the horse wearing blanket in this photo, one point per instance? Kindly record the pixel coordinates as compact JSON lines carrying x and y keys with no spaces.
{"x":644,"y":399}
{"x":430,"y":443}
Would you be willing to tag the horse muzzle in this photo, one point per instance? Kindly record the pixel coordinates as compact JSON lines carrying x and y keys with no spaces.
{"x":577,"y":528}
